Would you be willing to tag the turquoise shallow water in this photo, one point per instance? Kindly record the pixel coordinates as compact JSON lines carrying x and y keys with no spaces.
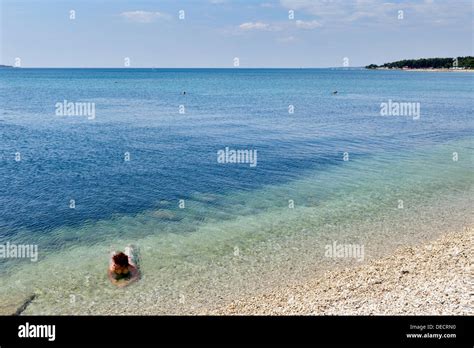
{"x":237,"y":233}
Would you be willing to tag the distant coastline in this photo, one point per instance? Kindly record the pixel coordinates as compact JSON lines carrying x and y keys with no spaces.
{"x":455,"y":64}
{"x":424,"y":69}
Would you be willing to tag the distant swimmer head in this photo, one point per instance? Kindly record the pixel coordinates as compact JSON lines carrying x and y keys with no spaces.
{"x":335,"y":92}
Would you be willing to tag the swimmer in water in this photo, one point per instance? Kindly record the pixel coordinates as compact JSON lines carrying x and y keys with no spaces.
{"x":122,"y":269}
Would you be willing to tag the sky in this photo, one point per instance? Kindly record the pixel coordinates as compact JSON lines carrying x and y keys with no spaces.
{"x":213,"y":33}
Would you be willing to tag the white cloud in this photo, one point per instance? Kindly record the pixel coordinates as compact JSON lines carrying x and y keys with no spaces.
{"x":144,"y":16}
{"x":308,"y":24}
{"x":257,"y":26}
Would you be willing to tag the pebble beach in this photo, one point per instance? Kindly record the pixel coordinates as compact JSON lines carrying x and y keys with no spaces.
{"x":430,"y":279}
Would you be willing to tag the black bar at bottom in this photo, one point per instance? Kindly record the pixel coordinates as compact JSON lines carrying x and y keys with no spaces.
{"x":290,"y":330}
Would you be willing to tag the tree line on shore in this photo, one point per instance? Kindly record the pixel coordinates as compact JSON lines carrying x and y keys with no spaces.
{"x":426,"y":63}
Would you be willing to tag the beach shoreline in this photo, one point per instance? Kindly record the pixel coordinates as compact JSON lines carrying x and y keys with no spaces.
{"x":429,"y":279}
{"x":268,"y":269}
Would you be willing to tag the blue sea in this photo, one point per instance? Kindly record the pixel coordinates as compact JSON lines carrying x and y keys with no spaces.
{"x":145,"y":171}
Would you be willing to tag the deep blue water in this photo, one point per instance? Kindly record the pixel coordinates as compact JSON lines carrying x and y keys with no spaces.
{"x":173,"y":155}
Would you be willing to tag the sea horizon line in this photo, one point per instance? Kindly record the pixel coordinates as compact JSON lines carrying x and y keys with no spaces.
{"x":194,"y":68}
